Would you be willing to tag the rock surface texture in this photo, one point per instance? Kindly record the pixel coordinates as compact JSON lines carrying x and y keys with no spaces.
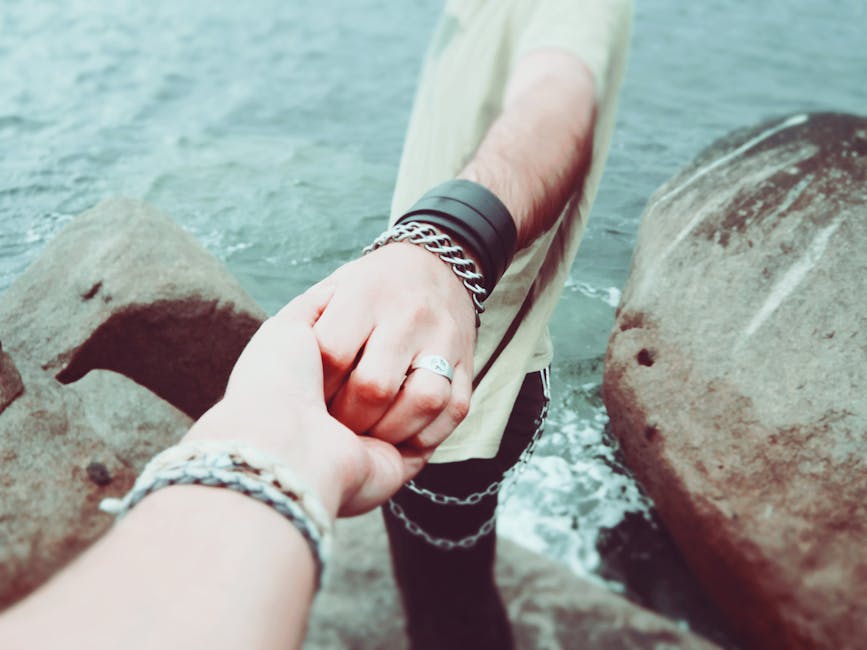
{"x":63,"y":449}
{"x":124,"y":288}
{"x":736,"y":376}
{"x":10,"y":381}
{"x":121,"y":291}
{"x":550,"y":608}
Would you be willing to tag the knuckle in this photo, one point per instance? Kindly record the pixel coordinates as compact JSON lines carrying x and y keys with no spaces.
{"x":335,"y":356}
{"x":427,"y":441}
{"x":419,"y":314}
{"x":389,"y":434}
{"x":372,"y":389}
{"x":459,"y":408}
{"x":430,"y":400}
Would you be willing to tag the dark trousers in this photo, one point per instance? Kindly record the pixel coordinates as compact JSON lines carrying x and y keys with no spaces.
{"x":449,"y":596}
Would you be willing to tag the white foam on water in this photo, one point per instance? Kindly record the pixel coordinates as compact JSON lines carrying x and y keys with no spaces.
{"x":609,"y":295}
{"x":570,"y":493}
{"x":236,"y":247}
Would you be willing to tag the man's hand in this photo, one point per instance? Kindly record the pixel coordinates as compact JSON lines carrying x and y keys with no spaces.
{"x":275,"y":402}
{"x":388,"y":309}
{"x":400,"y":302}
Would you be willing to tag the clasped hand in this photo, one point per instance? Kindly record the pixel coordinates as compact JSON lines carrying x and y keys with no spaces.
{"x":389,"y":309}
{"x":326,"y":383}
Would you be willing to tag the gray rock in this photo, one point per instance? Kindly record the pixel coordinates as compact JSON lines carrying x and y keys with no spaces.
{"x":550,"y":608}
{"x":124,"y":288}
{"x":10,"y":381}
{"x":62,"y":450}
{"x":142,"y":298}
{"x":736,"y":373}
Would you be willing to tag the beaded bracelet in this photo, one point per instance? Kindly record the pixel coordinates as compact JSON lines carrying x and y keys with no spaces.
{"x":243,"y":469}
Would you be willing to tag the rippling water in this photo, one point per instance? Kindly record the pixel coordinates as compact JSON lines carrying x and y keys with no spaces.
{"x":272,"y":131}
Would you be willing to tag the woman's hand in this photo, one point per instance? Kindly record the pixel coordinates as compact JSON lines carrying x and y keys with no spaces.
{"x":275,"y":401}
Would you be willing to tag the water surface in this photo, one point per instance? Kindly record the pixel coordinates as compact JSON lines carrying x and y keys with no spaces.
{"x":272,"y":131}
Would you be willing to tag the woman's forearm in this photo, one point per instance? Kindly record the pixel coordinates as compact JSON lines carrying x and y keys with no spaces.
{"x":189,"y":567}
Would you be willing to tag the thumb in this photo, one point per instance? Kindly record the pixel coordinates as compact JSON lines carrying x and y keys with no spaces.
{"x":388,"y":470}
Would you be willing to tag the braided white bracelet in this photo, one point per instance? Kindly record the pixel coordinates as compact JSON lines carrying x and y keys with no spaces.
{"x":240,"y":468}
{"x":440,"y":244}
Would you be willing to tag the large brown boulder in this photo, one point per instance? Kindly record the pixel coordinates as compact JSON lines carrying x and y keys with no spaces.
{"x":63,"y":449}
{"x":124,"y":288}
{"x":121,"y":291}
{"x":736,"y":376}
{"x":549,"y":607}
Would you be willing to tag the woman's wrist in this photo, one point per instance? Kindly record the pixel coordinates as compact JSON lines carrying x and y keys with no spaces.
{"x":293,"y":441}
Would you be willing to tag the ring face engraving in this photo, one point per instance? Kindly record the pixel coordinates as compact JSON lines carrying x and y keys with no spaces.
{"x":436,"y":364}
{"x":440,"y":365}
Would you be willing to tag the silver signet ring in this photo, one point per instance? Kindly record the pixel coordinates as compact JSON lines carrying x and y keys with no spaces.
{"x":435,"y":364}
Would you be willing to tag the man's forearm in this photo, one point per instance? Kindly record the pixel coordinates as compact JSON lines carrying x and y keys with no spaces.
{"x":401,"y":302}
{"x":534,"y":154}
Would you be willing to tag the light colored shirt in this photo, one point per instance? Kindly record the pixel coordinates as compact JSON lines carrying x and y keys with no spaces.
{"x":473,"y":51}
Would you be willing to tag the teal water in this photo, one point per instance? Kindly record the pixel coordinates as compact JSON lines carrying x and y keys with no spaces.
{"x":272,"y":131}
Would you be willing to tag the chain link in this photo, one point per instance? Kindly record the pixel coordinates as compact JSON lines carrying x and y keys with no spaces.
{"x":518,"y":468}
{"x":442,"y":543}
{"x":508,"y":481}
{"x":441,"y":245}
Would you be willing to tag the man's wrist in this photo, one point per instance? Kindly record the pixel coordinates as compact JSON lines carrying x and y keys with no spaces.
{"x":432,"y":243}
{"x":474,"y":214}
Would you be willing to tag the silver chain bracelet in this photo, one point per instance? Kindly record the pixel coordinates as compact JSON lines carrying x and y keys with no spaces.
{"x":441,"y":245}
{"x":509,"y":479}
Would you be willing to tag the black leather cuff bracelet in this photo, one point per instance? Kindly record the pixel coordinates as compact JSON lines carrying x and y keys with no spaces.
{"x":477,"y":217}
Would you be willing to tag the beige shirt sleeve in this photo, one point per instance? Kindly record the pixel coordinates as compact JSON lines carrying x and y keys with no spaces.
{"x":587,"y":28}
{"x":458,"y":99}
